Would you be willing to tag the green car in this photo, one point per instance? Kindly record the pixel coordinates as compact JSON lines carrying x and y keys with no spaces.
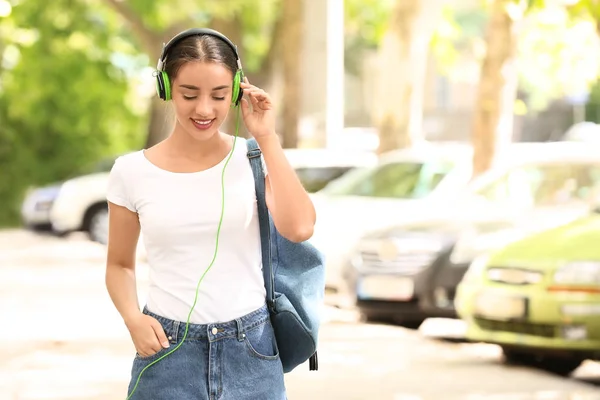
{"x":538,"y":298}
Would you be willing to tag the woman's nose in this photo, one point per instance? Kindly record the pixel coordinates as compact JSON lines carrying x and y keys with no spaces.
{"x":203,"y":107}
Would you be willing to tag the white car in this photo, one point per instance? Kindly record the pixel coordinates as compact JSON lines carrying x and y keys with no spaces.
{"x":402,"y":183}
{"x":421,"y":183}
{"x":76,"y":204}
{"x":35,"y":210}
{"x":79,"y":204}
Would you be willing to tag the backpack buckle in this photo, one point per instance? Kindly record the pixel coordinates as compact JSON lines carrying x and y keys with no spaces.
{"x":271,"y":305}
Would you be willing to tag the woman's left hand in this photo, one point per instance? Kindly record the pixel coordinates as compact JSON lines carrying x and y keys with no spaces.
{"x":260,"y":120}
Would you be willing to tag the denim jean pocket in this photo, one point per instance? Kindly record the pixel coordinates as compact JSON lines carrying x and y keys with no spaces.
{"x":261,"y":342}
{"x":153,"y":356}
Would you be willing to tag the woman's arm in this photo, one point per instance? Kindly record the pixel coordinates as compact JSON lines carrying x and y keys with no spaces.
{"x":123,"y":234}
{"x":291,"y":208}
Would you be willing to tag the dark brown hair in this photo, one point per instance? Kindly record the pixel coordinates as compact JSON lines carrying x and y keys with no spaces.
{"x":204,"y":48}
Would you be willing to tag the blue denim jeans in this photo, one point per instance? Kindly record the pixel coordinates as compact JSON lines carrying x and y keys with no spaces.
{"x":235,"y":360}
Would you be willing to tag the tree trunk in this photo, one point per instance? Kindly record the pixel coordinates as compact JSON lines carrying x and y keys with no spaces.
{"x":493,"y":118}
{"x":292,"y":37}
{"x":232,"y":28}
{"x":403,"y":59}
{"x":263,"y":78}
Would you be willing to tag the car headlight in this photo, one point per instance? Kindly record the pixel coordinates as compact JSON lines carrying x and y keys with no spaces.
{"x":578,"y":272}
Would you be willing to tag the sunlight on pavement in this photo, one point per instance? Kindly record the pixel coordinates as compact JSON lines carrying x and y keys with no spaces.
{"x":66,"y":341}
{"x":541,"y":395}
{"x":55,"y":374}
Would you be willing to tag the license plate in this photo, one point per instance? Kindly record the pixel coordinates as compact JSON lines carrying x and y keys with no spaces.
{"x":500,"y":306}
{"x":386,"y":288}
{"x":575,"y":332}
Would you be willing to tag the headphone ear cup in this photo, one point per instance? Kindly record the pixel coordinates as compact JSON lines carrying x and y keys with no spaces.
{"x":160,"y":87}
{"x":239,"y":99}
{"x":163,"y":86}
{"x":166,"y":85}
{"x":237,"y":92}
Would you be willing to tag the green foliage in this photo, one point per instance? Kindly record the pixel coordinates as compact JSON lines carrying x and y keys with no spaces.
{"x":70,"y":83}
{"x":366,"y":22}
{"x":258,"y":19}
{"x":457,"y":35}
{"x":585,"y":9}
{"x":554,"y":56}
{"x":62,"y":103}
{"x":159,"y":15}
{"x":592,"y":108}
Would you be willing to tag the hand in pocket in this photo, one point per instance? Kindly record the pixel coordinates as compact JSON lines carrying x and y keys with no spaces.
{"x":148,"y":335}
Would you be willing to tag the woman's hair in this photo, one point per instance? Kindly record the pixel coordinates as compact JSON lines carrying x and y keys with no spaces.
{"x":203,"y":48}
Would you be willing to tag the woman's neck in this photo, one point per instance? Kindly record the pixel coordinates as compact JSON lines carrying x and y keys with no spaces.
{"x":181,"y":144}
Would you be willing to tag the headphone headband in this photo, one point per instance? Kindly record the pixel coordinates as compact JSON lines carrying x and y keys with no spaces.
{"x":195,"y":32}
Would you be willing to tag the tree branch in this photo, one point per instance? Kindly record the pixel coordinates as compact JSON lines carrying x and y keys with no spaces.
{"x":147,"y":38}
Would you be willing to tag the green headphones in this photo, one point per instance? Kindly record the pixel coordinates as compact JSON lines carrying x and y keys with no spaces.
{"x":163,"y":83}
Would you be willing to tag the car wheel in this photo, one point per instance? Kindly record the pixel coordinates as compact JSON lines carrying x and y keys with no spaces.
{"x":413,"y":323}
{"x":98,"y":224}
{"x":375,"y":318}
{"x":516,"y":357}
{"x":558,"y":365}
{"x":562,"y":366}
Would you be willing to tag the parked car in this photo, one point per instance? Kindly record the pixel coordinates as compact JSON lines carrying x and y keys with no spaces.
{"x":39,"y":202}
{"x":79,"y":204}
{"x":409,"y":271}
{"x":402,"y":186}
{"x":538,"y":298}
{"x":35,"y":210}
{"x":436,"y":297}
{"x":317,"y":167}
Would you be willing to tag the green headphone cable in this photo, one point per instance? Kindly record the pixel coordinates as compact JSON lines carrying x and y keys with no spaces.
{"x":237,"y":126}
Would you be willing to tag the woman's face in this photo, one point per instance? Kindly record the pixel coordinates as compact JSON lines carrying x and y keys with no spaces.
{"x":201,"y":95}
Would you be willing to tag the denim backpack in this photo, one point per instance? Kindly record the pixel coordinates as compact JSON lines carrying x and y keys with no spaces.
{"x":294,"y":275}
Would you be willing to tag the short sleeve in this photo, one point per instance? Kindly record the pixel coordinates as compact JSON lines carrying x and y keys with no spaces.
{"x":117,"y":192}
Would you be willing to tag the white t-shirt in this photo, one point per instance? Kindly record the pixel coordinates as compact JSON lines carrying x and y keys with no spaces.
{"x":179,"y":215}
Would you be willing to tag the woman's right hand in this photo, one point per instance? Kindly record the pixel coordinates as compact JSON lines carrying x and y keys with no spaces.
{"x":147,"y":334}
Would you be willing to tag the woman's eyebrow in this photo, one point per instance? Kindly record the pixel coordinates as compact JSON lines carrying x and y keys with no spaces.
{"x":192,"y":87}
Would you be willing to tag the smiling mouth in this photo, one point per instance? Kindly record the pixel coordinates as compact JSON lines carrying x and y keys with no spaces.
{"x":202,"y":123}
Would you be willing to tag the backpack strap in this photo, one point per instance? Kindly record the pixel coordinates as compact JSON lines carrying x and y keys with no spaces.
{"x":254,"y":154}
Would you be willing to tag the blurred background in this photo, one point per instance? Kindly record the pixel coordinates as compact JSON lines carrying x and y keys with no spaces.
{"x":451,"y":148}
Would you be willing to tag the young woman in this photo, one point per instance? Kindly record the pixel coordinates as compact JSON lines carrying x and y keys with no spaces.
{"x":204,"y":332}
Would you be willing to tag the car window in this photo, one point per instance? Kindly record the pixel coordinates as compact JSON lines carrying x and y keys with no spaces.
{"x":316,"y":178}
{"x":545,"y":185}
{"x":401,"y":180}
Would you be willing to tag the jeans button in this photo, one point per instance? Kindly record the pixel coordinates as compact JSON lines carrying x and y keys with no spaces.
{"x":214,"y":331}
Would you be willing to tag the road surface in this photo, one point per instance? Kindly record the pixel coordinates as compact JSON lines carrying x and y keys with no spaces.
{"x":61,"y":339}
